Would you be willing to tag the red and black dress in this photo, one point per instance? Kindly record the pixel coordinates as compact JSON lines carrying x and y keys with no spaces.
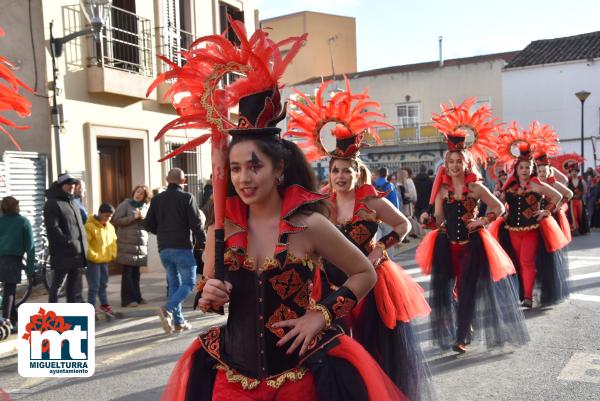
{"x":577,"y":212}
{"x":240,"y":360}
{"x":381,"y":322}
{"x":472,"y":292}
{"x":533,"y":245}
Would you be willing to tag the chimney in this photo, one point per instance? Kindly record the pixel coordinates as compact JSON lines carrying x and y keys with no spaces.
{"x":440,"y":38}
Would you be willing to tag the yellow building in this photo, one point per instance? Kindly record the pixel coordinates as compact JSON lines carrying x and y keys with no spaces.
{"x":103,"y":126}
{"x":331,"y":45}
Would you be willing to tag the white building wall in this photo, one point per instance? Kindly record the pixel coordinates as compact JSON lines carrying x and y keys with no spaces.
{"x":547,"y":93}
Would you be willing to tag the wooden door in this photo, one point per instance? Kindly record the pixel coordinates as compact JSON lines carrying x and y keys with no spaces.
{"x":115,"y":170}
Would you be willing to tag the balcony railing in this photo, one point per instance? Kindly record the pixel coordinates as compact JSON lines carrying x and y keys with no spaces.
{"x":399,"y":135}
{"x":126,"y":44}
{"x":171,"y":44}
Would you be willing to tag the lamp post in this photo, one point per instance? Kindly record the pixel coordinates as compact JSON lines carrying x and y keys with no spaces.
{"x":96,"y":13}
{"x":582,"y":95}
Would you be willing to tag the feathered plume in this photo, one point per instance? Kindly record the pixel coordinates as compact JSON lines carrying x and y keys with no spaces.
{"x":350,"y":111}
{"x":456,"y":121}
{"x":562,"y":162}
{"x":512,"y":136}
{"x":11,"y":99}
{"x":196,"y":93}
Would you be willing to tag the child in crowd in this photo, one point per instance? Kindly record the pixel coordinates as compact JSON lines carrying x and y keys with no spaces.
{"x":102,"y":249}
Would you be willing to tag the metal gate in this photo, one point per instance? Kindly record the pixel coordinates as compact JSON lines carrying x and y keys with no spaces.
{"x":23,"y":175}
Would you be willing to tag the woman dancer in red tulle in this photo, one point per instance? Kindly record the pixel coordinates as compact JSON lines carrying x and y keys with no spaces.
{"x":382,"y":321}
{"x":277,"y":343}
{"x":471,"y":288}
{"x":529,"y":233}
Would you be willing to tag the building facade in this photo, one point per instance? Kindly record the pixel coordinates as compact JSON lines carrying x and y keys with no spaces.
{"x":410,"y":94}
{"x":329,"y":50}
{"x":106,"y":124}
{"x":540,"y":84}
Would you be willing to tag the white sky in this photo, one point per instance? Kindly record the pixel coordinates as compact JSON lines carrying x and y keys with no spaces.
{"x":396,"y":32}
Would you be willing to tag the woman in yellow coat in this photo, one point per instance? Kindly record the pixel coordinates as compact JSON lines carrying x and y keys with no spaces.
{"x":102,"y":249}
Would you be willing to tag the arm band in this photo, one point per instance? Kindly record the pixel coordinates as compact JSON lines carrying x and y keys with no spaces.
{"x":338,"y":304}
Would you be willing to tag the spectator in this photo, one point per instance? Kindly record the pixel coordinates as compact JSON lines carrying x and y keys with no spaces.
{"x":132,"y":243}
{"x":206,"y":193}
{"x":591,"y":194}
{"x":173,"y":216}
{"x":16,"y":239}
{"x":102,"y":249}
{"x":78,"y":198}
{"x":423,"y":184}
{"x":410,"y":192}
{"x":383,"y":185}
{"x":66,"y":238}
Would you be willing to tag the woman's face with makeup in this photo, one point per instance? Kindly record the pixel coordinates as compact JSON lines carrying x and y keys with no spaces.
{"x":252,"y":173}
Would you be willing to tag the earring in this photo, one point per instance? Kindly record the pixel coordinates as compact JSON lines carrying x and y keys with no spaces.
{"x":280,"y":179}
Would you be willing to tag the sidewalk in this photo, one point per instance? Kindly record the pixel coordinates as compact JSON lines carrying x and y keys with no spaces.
{"x":154,"y":290}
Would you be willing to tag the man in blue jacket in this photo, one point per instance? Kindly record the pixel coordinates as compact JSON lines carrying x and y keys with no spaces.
{"x":383,"y":185}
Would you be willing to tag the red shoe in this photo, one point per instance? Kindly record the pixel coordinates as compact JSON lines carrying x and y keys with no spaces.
{"x":106,"y":308}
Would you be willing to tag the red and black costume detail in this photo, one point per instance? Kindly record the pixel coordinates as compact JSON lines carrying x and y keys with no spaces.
{"x":240,"y":361}
{"x":532,"y":245}
{"x":471,"y":287}
{"x":382,"y":320}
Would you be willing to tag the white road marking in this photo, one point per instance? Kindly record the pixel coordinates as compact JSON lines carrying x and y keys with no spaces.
{"x":585,"y":276}
{"x":585,"y":297}
{"x":582,"y":367}
{"x":579,"y":264}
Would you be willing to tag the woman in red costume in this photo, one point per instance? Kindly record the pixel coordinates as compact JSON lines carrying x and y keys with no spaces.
{"x":471,"y":286}
{"x":277,"y":344}
{"x":529,"y":233}
{"x":546,"y":142}
{"x":577,"y":210}
{"x":382,"y":321}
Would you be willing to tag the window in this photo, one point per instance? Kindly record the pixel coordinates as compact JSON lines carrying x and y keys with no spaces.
{"x":408,"y":115}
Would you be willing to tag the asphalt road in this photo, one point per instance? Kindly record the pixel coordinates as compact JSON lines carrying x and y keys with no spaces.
{"x":561,"y":363}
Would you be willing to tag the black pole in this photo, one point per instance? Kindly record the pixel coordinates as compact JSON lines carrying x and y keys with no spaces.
{"x":582,"y":161}
{"x":54,"y":117}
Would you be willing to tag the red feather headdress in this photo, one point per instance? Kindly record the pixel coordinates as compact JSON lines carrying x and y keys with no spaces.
{"x":350,"y":112}
{"x":513,"y":139}
{"x":11,"y":99}
{"x":545,"y":142}
{"x":455,"y":122}
{"x":565,"y":161}
{"x":197,"y":95}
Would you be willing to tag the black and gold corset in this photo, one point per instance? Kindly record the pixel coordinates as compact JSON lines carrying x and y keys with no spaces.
{"x":458,"y":213}
{"x":360,"y":230}
{"x":263,"y":295}
{"x":522,"y":204}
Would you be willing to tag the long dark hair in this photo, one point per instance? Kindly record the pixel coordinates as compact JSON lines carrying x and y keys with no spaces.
{"x":296,"y":170}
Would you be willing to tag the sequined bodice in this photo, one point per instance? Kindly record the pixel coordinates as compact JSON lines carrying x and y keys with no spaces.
{"x":522,"y":203}
{"x":458,"y":213}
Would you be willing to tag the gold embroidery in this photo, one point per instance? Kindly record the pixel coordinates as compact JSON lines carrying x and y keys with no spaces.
{"x":527,"y":228}
{"x":275,"y":381}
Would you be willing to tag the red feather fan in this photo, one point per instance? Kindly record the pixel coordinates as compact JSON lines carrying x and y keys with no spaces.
{"x":350,"y":111}
{"x":456,"y":121}
{"x":196,"y":93}
{"x":11,"y":99}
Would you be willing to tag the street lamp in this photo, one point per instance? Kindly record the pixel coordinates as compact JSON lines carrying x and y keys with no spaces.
{"x":582,"y":95}
{"x":96,"y":13}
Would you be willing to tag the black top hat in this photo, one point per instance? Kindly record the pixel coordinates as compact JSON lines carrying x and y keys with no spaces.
{"x":259,"y":114}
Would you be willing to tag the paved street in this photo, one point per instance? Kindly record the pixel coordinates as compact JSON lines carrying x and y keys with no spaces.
{"x":562,"y":362}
